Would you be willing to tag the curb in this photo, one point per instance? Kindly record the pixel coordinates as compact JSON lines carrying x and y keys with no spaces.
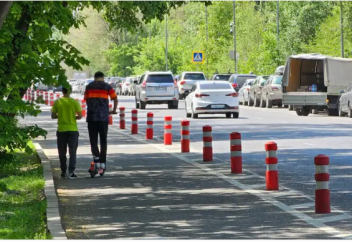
{"x":52,"y":210}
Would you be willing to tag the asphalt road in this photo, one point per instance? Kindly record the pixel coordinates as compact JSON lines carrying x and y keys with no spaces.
{"x":153,"y":191}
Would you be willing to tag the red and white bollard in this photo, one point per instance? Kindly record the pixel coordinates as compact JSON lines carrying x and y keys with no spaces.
{"x":110,"y":116}
{"x":185,"y":143}
{"x":46,"y":98}
{"x":51,"y":99}
{"x":122,"y":118}
{"x":207,"y":144}
{"x":134,"y":127}
{"x":322,"y":192}
{"x":84,"y":112}
{"x":236,"y":153}
{"x":57,"y":96}
{"x":272,"y":174}
{"x":168,"y":130}
{"x":150,"y":131}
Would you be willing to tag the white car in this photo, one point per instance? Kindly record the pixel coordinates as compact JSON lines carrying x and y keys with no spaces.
{"x":125,"y":86}
{"x":85,"y":83}
{"x":187,"y":80}
{"x":212,"y":97}
{"x":243,"y":92}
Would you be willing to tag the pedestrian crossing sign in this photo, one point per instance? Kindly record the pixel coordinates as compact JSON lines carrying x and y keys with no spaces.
{"x":198,"y":57}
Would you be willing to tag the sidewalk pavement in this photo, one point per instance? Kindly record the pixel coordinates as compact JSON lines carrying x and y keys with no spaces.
{"x":149,"y":193}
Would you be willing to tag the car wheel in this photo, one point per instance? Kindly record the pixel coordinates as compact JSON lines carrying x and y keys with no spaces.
{"x":194,"y":115}
{"x":188,"y":115}
{"x":262,"y":103}
{"x":269,"y":103}
{"x":279,"y":105}
{"x":256,"y":101}
{"x":250,"y":102}
{"x":235,"y":115}
{"x":175,"y":105}
{"x":228,"y":115}
{"x":245,"y":103}
{"x":142,"y":104}
{"x":137,"y":103}
{"x":341,"y":114}
{"x":350,"y":113}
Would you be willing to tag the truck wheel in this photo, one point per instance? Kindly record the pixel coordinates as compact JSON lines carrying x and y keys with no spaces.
{"x":290,"y":107}
{"x":298,"y":111}
{"x":305,"y":111}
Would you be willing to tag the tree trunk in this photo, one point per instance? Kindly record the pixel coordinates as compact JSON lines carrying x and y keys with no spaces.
{"x":4,"y":9}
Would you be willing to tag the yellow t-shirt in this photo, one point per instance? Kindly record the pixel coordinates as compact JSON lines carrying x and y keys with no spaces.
{"x":66,"y":109}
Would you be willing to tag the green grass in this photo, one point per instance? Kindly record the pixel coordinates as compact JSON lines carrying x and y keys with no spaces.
{"x":22,"y":200}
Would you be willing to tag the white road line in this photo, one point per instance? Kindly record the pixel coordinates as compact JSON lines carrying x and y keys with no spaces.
{"x":281,"y":193}
{"x":149,"y":195}
{"x":164,"y":208}
{"x":334,"y":218}
{"x":303,"y":205}
{"x":127,"y":174}
{"x":300,"y":215}
{"x":137,"y":185}
{"x":256,"y":186}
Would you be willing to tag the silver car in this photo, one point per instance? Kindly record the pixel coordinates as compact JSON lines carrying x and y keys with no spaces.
{"x":84,"y":84}
{"x":345,"y":103}
{"x":244,"y":91}
{"x":157,"y":88}
{"x":271,"y":93}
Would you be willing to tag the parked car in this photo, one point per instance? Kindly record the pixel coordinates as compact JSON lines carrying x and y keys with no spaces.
{"x":237,"y":80}
{"x":221,"y":77}
{"x":125,"y":86}
{"x":157,"y":88}
{"x":243,"y":92}
{"x":84,"y":84}
{"x":280,"y":70}
{"x":271,"y":93}
{"x":118,"y":86}
{"x":255,"y":91}
{"x":76,"y":86}
{"x":42,"y":87}
{"x":112,"y":81}
{"x":187,"y":80}
{"x":345,"y":103}
{"x":212,"y":98}
{"x":57,"y":89}
{"x":132,"y":86}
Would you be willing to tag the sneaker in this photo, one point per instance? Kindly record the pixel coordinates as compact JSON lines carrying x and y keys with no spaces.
{"x":63,"y":174}
{"x":72,"y":176}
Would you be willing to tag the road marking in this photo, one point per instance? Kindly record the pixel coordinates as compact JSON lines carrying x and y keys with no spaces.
{"x":303,"y":205}
{"x":127,"y":174}
{"x":256,"y":186}
{"x":334,"y":218}
{"x":164,"y":208}
{"x":300,"y":215}
{"x":149,"y":195}
{"x":137,"y":185}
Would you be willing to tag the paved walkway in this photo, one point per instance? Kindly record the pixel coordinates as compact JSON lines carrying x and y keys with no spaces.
{"x":152,"y":192}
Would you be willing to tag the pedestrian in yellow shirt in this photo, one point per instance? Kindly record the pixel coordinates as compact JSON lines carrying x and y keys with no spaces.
{"x":65,"y":110}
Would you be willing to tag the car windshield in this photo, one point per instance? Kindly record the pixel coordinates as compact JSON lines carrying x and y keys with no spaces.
{"x":194,"y":76}
{"x":222,"y":77}
{"x":160,"y":78}
{"x":215,"y":86}
{"x":277,"y":80}
{"x":263,"y":79}
{"x":240,"y":80}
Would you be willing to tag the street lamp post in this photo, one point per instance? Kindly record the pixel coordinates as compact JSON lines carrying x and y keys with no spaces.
{"x":233,"y":30}
{"x":166,"y":43}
